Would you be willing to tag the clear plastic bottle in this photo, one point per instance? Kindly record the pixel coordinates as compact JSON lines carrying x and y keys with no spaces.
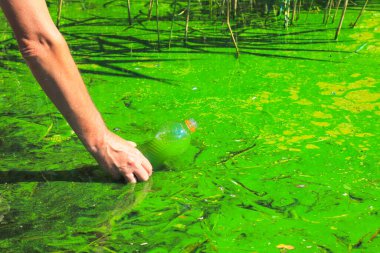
{"x":171,"y":140}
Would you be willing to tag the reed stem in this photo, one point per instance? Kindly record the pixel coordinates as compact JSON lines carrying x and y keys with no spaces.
{"x":60,"y":3}
{"x":230,"y":29}
{"x":341,"y":20}
{"x":308,"y":12}
{"x":325,"y":13}
{"x":329,"y":11}
{"x":150,"y":9}
{"x":187,"y":21}
{"x":129,"y":12}
{"x":172,"y":23}
{"x":158,"y":27}
{"x":235,"y":7}
{"x":294,"y":12}
{"x":336,"y":11}
{"x":360,"y":14}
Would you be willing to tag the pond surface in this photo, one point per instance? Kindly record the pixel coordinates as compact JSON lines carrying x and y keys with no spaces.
{"x":286,"y":151}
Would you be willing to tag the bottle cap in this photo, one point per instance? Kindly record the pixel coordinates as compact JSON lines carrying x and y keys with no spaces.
{"x":191,"y":124}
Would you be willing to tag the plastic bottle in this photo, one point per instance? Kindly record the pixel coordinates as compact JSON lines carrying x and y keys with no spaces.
{"x":171,"y":140}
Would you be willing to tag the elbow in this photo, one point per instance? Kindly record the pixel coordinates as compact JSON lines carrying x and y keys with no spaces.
{"x":40,"y":46}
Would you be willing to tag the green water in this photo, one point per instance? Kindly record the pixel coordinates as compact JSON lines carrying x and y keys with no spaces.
{"x":286,"y":151}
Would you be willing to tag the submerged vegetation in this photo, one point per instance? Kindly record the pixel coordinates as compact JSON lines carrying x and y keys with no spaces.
{"x":285,"y":157}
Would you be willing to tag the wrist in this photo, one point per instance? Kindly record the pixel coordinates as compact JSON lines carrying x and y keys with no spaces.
{"x":94,"y":137}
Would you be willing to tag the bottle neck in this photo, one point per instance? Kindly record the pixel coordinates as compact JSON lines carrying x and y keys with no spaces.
{"x":191,"y":125}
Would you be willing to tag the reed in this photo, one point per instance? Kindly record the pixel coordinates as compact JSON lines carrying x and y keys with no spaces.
{"x":210,"y":4}
{"x":325,"y":13}
{"x":341,"y":20}
{"x":235,"y":7}
{"x":286,"y":13}
{"x":150,"y":9}
{"x":187,"y":21}
{"x":172,"y":23}
{"x":230,"y":29}
{"x":299,"y":9}
{"x":336,"y":11}
{"x":60,"y":3}
{"x":310,"y":8}
{"x":158,"y":27}
{"x":294,"y":12}
{"x":360,"y":14}
{"x":129,"y":12}
{"x":329,"y":11}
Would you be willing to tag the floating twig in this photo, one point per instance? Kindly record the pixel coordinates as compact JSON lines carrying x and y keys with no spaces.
{"x":233,"y":154}
{"x":374,"y":235}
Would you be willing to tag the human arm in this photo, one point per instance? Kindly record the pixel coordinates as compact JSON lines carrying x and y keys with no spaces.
{"x":48,"y":57}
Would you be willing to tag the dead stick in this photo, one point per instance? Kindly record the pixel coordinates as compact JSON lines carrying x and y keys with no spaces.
{"x":374,"y":235}
{"x":60,"y":2}
{"x":232,"y":154}
{"x":229,"y":28}
{"x":236,"y":153}
{"x":341,"y":19}
{"x":360,"y":14}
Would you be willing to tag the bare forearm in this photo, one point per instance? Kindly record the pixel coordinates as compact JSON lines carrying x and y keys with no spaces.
{"x":59,"y":77}
{"x":49,"y":58}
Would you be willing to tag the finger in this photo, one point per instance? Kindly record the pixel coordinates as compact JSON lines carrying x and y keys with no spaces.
{"x":145,"y":163}
{"x":141,"y":173}
{"x":147,"y":166}
{"x":131,"y":143}
{"x":130,"y":178}
{"x":112,"y":171}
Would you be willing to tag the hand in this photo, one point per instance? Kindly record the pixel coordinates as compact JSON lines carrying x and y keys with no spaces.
{"x":121,"y":158}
